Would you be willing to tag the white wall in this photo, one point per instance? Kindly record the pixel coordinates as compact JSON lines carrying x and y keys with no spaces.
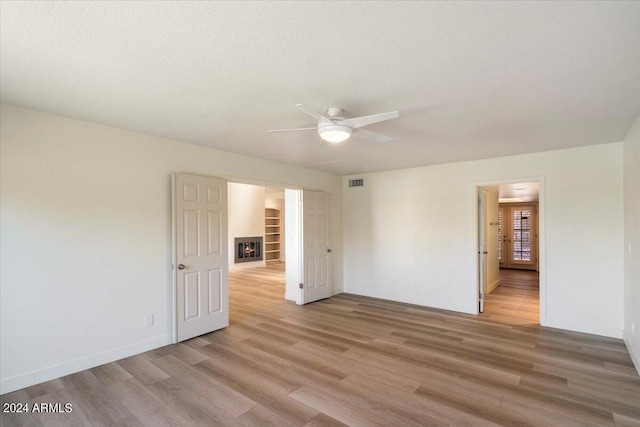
{"x":246,"y":218}
{"x":632,"y":242}
{"x":86,"y":238}
{"x":409,"y":235}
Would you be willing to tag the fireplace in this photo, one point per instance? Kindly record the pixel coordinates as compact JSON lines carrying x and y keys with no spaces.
{"x":248,"y":249}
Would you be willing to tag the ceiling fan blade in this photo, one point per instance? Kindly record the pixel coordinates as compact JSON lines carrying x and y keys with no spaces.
{"x":313,"y":113}
{"x":358,"y":122}
{"x":373,"y":136}
{"x":291,"y":130}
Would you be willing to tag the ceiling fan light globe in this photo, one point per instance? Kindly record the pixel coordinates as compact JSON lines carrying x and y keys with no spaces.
{"x":335,"y":134}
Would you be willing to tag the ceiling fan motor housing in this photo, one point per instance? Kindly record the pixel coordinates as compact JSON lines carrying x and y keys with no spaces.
{"x":335,"y":113}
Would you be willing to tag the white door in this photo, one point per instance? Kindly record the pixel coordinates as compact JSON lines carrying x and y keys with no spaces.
{"x":482,"y":247}
{"x":316,"y":254}
{"x":201,"y":291}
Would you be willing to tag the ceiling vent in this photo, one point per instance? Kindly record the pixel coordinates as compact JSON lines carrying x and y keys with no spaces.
{"x":356,"y":182}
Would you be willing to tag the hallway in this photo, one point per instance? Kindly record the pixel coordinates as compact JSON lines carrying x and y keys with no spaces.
{"x":516,"y":301}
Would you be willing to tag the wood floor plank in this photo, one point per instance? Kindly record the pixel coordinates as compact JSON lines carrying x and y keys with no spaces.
{"x":360,"y":361}
{"x":362,"y":366}
{"x":260,"y":416}
{"x":44,"y":388}
{"x":110,"y":373}
{"x":323,"y":420}
{"x":12,"y":417}
{"x":77,"y":416}
{"x":420,"y":406}
{"x":142,"y":369}
{"x":149,"y":409}
{"x":229,"y":401}
{"x":198,"y":410}
{"x":259,"y":392}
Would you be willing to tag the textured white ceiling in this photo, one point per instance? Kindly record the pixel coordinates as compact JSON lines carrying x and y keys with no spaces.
{"x":524,"y":191}
{"x":471,"y":79}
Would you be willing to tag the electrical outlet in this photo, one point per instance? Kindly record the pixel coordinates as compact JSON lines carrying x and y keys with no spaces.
{"x":148,"y":320}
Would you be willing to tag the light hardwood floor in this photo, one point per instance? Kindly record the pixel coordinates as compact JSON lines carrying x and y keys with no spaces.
{"x":516,"y":301}
{"x":357,"y":361}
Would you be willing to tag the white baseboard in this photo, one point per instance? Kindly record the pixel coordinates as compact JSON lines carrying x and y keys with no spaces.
{"x":492,"y":286}
{"x":633,"y":351}
{"x":410,"y":299}
{"x":250,"y":264}
{"x":586,"y":328}
{"x":18,"y":382}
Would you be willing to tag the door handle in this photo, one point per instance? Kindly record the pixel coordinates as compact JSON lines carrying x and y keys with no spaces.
{"x":181,"y":267}
{"x":485,"y":252}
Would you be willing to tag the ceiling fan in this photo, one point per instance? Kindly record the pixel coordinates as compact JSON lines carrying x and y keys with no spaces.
{"x":335,"y":128}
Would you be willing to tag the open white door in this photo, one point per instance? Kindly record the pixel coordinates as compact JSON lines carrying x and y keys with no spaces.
{"x":482,"y":247}
{"x":200,"y":264}
{"x":316,"y":254}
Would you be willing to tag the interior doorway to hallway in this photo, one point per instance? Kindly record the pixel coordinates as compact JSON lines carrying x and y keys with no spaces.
{"x":509,"y":252}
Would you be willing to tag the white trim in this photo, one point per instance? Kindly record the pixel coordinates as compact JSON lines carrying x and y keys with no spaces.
{"x":633,"y":352}
{"x":492,"y":286}
{"x":259,"y":183}
{"x":18,"y":382}
{"x":174,"y":255}
{"x":245,"y":265}
{"x":587,"y":328}
{"x":426,"y":303}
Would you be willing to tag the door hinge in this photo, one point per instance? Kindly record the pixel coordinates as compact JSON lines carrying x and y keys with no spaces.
{"x":301,"y":286}
{"x":480,"y":295}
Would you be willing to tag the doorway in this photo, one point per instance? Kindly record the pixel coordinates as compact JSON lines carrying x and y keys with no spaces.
{"x":258,"y":232}
{"x":518,"y":236}
{"x":510,"y":238}
{"x":289,"y":227}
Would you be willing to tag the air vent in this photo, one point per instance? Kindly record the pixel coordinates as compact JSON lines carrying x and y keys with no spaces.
{"x":356,"y":182}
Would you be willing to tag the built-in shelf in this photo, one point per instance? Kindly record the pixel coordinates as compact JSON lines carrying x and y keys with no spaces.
{"x":272,"y":235}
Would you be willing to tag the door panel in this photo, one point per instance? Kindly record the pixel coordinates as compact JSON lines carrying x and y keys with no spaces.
{"x":214,"y":227}
{"x":191,"y":295}
{"x":191,"y":227}
{"x":316,"y":252}
{"x":200,"y":263}
{"x":215,"y":290}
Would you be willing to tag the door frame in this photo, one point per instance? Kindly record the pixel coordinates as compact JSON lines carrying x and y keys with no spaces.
{"x":481,"y":198}
{"x":542,"y":264}
{"x":293,"y":253}
{"x":508,"y":219}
